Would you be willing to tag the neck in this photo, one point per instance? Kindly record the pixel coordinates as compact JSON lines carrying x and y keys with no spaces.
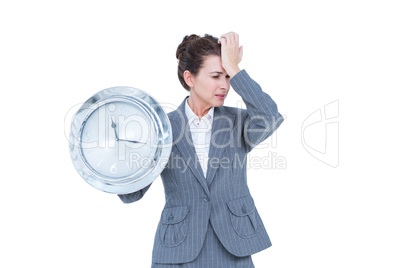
{"x":199,"y":108}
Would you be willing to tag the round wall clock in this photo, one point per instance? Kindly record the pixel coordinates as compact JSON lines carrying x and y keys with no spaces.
{"x":120,"y":140}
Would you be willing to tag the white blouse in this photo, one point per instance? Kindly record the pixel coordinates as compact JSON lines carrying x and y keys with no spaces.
{"x":201,"y":134}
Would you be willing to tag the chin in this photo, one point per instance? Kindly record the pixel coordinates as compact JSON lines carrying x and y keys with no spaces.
{"x":218,"y":103}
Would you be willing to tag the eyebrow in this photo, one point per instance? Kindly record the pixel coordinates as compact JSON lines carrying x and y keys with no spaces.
{"x":219,"y":73}
{"x":216,"y":72}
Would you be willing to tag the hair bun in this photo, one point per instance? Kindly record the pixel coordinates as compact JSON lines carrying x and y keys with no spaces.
{"x":184,"y":44}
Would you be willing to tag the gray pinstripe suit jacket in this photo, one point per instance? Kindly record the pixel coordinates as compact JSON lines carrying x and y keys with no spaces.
{"x":223,"y":196}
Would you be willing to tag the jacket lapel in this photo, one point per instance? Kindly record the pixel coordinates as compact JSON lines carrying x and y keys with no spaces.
{"x":184,"y":142}
{"x":220,"y":139}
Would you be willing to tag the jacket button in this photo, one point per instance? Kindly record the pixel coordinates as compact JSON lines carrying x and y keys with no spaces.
{"x":206,"y":198}
{"x":170,"y":218}
{"x":244,"y":209}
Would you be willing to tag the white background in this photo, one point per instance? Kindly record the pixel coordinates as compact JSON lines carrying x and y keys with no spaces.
{"x":306,"y":54}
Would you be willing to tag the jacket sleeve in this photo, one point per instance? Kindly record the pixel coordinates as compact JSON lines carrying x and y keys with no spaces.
{"x":262,"y":117}
{"x":133,"y":197}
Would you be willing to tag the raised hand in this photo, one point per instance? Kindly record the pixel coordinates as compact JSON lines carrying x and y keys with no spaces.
{"x":231,"y":53}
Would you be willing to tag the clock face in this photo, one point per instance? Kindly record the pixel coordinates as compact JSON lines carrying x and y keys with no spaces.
{"x":120,"y":140}
{"x":117,"y":140}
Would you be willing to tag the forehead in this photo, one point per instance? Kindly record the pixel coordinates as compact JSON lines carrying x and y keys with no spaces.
{"x":213,"y":63}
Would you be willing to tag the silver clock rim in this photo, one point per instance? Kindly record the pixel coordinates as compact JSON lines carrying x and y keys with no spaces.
{"x":130,"y":183}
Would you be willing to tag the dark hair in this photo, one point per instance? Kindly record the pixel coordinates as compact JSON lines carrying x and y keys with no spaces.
{"x":191,"y":54}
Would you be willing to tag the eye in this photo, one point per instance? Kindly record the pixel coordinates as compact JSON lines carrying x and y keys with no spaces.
{"x":217,"y":76}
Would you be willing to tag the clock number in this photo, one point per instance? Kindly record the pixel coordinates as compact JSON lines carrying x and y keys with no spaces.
{"x":100,"y":163}
{"x":113,"y":168}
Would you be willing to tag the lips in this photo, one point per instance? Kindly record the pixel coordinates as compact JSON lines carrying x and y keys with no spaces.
{"x":220,"y":96}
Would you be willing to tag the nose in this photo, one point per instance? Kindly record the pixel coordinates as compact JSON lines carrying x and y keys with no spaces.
{"x":224,"y":84}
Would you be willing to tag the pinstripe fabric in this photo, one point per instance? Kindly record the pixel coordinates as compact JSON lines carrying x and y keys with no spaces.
{"x":212,"y":255}
{"x":219,"y":207}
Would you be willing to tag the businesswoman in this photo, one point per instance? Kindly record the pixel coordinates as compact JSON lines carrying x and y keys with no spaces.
{"x":210,"y":218}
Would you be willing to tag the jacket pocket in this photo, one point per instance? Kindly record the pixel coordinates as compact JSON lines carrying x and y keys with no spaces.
{"x":173,"y":227}
{"x":243,"y":216}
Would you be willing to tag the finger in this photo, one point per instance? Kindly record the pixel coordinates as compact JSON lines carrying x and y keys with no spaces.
{"x":226,"y":36}
{"x":235,"y":39}
{"x":236,"y":36}
{"x":241,"y":53}
{"x":227,"y":40}
{"x":222,"y":41}
{"x":232,"y":39}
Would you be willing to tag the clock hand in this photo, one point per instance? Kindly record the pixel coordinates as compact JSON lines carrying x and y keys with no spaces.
{"x":132,"y":141}
{"x":114,"y":128}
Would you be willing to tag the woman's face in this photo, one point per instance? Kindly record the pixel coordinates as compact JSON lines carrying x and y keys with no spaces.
{"x":211,"y":85}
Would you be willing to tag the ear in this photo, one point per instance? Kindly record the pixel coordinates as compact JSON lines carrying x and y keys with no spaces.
{"x":188,"y":78}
